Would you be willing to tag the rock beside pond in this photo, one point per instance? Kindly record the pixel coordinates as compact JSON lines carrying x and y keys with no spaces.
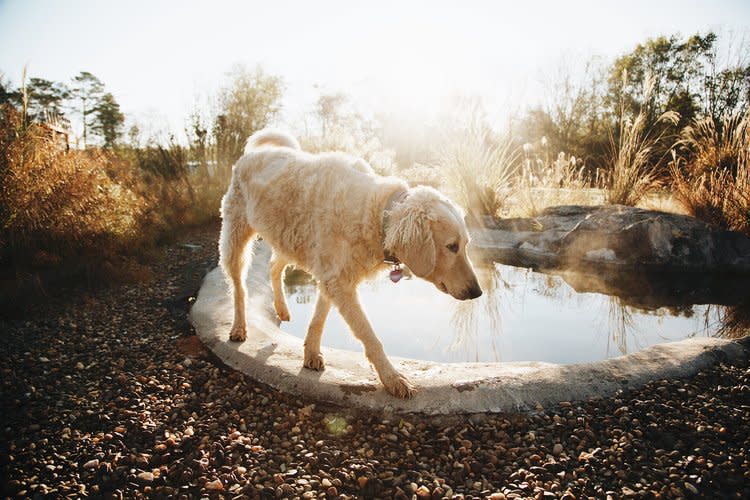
{"x":616,"y":236}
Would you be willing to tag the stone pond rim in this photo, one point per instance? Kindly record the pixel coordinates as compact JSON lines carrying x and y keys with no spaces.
{"x":614,"y":237}
{"x":275,"y":357}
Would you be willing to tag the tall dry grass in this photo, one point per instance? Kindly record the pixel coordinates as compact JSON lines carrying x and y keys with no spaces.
{"x":54,"y":203}
{"x":633,"y":172}
{"x":711,"y":171}
{"x":478,"y":171}
{"x":67,"y":215}
{"x":543,"y":183}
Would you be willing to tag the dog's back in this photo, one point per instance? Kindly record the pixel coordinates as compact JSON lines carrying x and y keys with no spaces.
{"x":307,"y":204}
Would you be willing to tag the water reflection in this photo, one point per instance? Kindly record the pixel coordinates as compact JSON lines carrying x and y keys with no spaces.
{"x":734,"y":320}
{"x":527,"y":315}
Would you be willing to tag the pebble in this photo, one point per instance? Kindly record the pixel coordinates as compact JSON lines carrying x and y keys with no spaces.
{"x":146,"y":477}
{"x":91,"y":464}
{"x":215,"y":485}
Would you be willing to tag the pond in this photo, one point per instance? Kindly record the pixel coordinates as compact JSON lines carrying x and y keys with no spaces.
{"x":527,"y":316}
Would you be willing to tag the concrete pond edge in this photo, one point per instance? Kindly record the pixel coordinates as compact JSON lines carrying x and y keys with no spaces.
{"x":274,"y":357}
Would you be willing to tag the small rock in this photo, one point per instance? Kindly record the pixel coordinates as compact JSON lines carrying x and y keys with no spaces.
{"x":91,"y":464}
{"x":423,"y":492}
{"x":146,"y":477}
{"x":557,"y":449}
{"x":215,"y":485}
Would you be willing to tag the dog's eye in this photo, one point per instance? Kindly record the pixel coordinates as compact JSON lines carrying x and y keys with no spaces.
{"x":453,"y":247}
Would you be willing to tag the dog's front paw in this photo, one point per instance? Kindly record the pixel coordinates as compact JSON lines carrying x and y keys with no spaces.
{"x":314,"y":360}
{"x":238,"y":333}
{"x":282,"y":311}
{"x":399,"y":386}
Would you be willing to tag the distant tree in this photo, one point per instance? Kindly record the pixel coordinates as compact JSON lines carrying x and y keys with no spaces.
{"x":45,"y":97}
{"x":574,"y":119}
{"x":246,"y":104}
{"x":342,"y":128}
{"x":726,"y":81}
{"x":134,"y":136}
{"x":330,"y":110}
{"x":676,"y":67}
{"x":88,"y":90}
{"x":108,"y":120}
{"x":197,"y":131}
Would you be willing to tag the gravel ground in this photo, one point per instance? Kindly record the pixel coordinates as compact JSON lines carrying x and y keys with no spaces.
{"x":109,"y":394}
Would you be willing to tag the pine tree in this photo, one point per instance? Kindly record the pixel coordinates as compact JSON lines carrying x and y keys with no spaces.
{"x":88,"y":90}
{"x":108,"y":120}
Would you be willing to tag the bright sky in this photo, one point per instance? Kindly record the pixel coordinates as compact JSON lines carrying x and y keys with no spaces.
{"x":159,"y":57}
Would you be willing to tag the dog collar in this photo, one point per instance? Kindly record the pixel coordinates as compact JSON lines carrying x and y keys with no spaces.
{"x":396,"y":273}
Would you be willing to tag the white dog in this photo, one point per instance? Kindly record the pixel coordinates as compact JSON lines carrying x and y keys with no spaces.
{"x":331,"y":215}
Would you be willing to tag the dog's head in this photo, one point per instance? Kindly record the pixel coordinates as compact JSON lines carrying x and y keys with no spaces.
{"x":427,"y":232}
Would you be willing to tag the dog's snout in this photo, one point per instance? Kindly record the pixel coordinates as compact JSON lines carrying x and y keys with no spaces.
{"x":472,"y":292}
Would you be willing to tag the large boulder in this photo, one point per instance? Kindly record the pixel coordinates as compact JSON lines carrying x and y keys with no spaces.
{"x":570,"y":237}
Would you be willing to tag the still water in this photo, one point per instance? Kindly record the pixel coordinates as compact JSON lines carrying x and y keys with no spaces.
{"x":522,"y":316}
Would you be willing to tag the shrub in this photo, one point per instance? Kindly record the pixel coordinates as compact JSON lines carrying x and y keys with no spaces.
{"x":61,"y":203}
{"x":711,"y":171}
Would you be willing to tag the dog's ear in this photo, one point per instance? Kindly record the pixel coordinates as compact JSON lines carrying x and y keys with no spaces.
{"x":409,"y":237}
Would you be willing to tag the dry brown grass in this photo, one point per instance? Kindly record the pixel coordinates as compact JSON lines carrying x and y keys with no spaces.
{"x":90,"y":211}
{"x":477,"y":171}
{"x":61,"y":203}
{"x":544,"y":183}
{"x":633,"y":172}
{"x":711,"y":173}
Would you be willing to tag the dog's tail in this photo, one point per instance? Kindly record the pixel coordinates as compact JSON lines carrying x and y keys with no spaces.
{"x":271,"y":137}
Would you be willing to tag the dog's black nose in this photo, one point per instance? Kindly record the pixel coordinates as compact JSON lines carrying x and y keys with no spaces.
{"x":472,"y":292}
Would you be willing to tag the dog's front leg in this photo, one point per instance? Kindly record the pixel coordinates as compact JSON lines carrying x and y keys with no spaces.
{"x":347,"y":301}
{"x":313,"y":357}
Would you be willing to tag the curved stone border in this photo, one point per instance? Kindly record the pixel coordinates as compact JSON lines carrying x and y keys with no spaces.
{"x":275,"y":358}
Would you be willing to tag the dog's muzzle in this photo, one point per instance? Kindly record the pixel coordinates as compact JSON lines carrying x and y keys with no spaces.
{"x":472,"y":292}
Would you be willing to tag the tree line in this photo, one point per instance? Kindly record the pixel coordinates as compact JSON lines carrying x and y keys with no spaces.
{"x":84,"y":96}
{"x":695,"y":77}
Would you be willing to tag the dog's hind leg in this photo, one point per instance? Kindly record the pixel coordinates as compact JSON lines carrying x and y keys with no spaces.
{"x":235,"y":235}
{"x":279,"y":302}
{"x":313,"y":357}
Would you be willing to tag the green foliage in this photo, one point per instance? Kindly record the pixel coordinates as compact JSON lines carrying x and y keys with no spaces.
{"x":109,"y":120}
{"x":575,"y":119}
{"x":675,"y":67}
{"x":686,"y":75}
{"x":46,"y":98}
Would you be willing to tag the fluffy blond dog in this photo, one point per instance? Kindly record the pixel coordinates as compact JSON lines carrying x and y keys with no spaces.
{"x":331,"y":215}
